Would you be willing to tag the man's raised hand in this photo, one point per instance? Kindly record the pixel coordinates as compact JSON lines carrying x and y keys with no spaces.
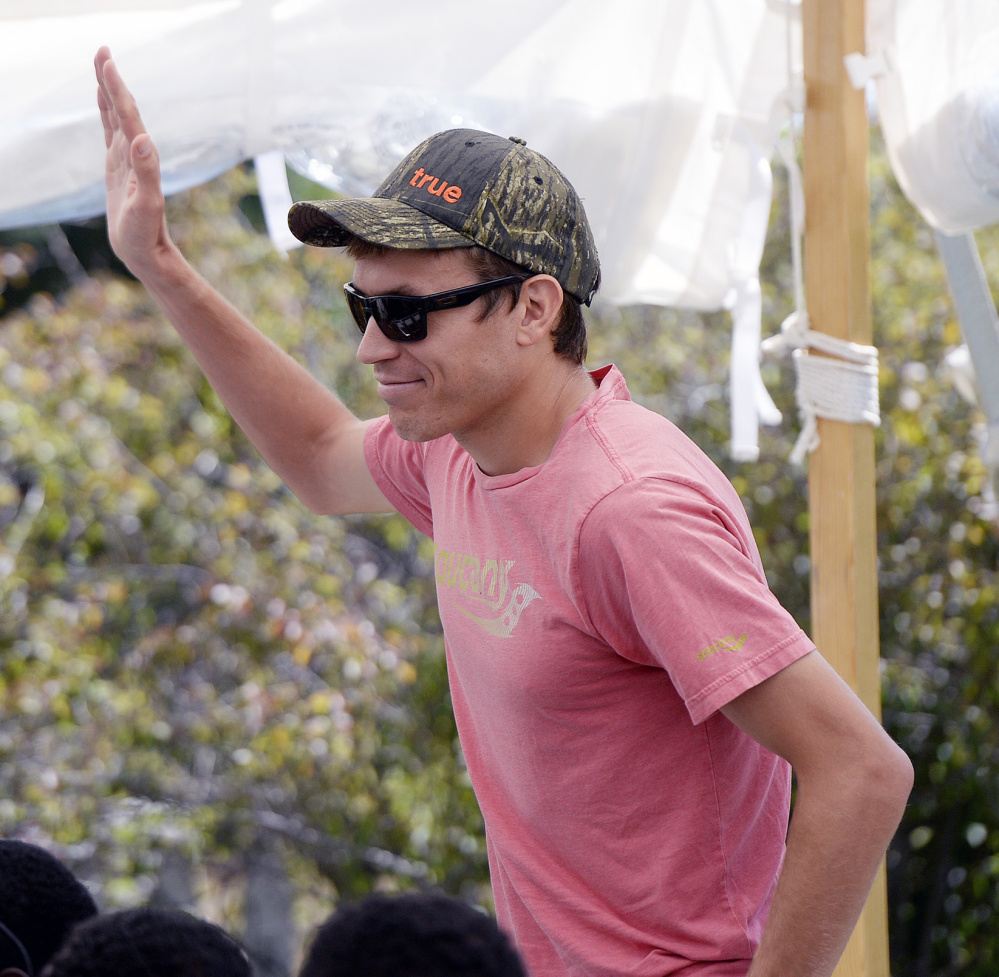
{"x":136,"y":215}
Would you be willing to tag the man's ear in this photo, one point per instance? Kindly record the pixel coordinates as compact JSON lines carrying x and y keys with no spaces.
{"x":13,"y":972}
{"x":541,"y":300}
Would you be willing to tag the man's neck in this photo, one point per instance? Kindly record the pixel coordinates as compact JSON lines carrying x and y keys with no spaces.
{"x":526,"y":434}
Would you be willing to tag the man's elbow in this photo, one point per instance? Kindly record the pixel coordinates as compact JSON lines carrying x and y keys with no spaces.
{"x":315,"y":496}
{"x":905,"y":777}
{"x":317,"y":499}
{"x":323,"y":502}
{"x":888,"y":778}
{"x":340,"y":497}
{"x":868,"y":781}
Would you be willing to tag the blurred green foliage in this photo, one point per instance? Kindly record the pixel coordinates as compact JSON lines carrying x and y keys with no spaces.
{"x":191,"y":662}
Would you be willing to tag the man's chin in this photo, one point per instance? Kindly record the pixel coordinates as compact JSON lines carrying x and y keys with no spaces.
{"x":412,"y":429}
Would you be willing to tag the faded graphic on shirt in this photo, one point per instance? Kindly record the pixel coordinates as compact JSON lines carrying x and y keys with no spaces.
{"x":485,"y":591}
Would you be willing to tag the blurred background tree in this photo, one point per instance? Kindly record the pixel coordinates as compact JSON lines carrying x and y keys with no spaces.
{"x":199,"y":678}
{"x":210,"y":697}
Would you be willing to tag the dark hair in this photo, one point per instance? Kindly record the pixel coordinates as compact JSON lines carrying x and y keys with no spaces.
{"x":149,"y":943}
{"x":569,"y":334}
{"x":40,"y":902}
{"x":425,"y":934}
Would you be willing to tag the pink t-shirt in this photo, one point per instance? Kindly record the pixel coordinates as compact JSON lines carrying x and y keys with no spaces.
{"x":598,"y":609}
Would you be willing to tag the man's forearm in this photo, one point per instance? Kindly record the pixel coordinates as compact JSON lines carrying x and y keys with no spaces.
{"x":303,"y":431}
{"x":839,"y":832}
{"x":288,"y":414}
{"x":853,"y":782}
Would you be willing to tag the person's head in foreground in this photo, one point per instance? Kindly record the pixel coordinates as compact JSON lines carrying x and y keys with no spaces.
{"x":151,"y":943}
{"x":489,"y":237}
{"x":413,"y":935}
{"x":40,"y":902}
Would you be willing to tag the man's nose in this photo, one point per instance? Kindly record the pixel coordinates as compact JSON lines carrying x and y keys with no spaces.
{"x":375,"y":346}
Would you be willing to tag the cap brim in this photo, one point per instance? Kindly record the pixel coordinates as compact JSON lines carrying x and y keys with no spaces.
{"x":378,"y":220}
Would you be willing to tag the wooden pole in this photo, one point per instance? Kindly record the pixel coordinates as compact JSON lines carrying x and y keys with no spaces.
{"x":841,"y":470}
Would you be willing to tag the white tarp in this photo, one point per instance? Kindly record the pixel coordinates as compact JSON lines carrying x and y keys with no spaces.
{"x":662,"y":112}
{"x":659,"y":111}
{"x":937,"y":72}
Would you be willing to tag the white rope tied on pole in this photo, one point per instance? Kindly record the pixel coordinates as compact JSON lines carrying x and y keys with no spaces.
{"x":840,"y":385}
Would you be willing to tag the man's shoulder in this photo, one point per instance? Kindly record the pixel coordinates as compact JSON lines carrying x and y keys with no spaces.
{"x":643,"y":443}
{"x":640,"y":458}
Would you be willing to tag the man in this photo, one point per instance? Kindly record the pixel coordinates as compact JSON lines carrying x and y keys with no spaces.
{"x":40,"y":903}
{"x":423,"y":934}
{"x":628,"y":692}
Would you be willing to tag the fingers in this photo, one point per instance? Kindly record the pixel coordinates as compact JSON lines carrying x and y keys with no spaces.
{"x":109,"y":118}
{"x":118,"y":108}
{"x":132,"y":169}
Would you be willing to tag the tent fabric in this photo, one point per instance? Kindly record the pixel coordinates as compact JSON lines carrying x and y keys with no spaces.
{"x":657,"y":110}
{"x":938,"y":100}
{"x":663,"y":113}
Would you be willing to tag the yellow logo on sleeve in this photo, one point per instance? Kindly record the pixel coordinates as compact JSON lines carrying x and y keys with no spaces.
{"x":728,"y":643}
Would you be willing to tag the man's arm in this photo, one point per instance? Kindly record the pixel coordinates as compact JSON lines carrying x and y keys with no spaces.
{"x":303,"y":431}
{"x":853,"y":782}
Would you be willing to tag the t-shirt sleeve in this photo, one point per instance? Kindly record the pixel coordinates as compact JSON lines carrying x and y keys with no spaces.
{"x":397,"y":467}
{"x":672,"y":579}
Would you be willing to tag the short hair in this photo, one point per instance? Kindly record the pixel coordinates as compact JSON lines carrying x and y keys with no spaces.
{"x":412,"y":935}
{"x":149,"y":942}
{"x":569,"y":332}
{"x":40,"y":902}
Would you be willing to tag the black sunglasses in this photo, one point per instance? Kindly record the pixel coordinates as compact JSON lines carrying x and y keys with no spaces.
{"x":403,"y":318}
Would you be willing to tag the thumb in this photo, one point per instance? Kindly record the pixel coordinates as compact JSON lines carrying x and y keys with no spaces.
{"x":143,"y":155}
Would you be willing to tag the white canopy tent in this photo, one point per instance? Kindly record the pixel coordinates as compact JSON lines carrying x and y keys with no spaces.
{"x":937,"y":72}
{"x":662,"y":114}
{"x":658,"y":114}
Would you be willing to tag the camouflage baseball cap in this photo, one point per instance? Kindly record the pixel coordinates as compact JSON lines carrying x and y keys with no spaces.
{"x":460,"y":188}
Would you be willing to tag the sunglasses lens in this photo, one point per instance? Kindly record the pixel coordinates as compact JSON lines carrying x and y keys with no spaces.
{"x":400,"y":318}
{"x":356,"y":305}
